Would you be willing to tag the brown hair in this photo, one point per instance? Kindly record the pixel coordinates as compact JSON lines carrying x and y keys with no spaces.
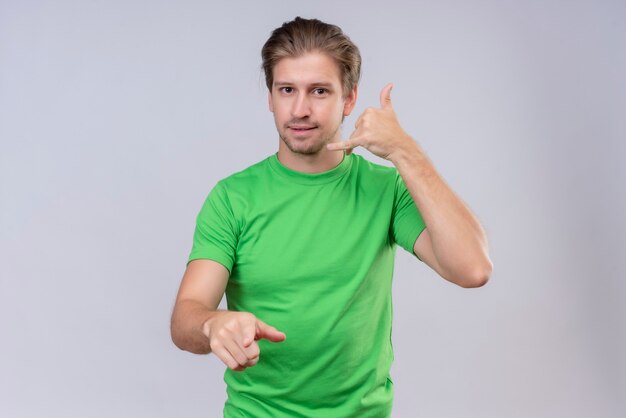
{"x":300,"y":36}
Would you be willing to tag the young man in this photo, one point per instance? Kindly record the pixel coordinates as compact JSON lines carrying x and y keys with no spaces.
{"x":303,"y":243}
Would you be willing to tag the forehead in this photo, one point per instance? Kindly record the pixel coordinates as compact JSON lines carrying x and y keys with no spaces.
{"x":312,"y":67}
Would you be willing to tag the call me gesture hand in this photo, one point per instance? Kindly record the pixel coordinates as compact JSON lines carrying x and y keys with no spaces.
{"x":453,"y":243}
{"x":377,"y":130}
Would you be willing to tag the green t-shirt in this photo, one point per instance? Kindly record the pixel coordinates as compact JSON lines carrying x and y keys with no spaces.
{"x":313,"y":256}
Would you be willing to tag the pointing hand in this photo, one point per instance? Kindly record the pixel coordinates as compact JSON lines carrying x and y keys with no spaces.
{"x":232,"y":337}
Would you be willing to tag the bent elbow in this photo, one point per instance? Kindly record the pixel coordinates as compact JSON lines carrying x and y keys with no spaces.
{"x":475,"y":283}
{"x":480,"y":278}
{"x":175,"y":333}
{"x":174,"y":337}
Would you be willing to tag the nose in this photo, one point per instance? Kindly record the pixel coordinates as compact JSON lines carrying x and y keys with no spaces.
{"x":301,"y":107}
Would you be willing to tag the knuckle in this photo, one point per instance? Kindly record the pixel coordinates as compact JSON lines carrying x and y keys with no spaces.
{"x":249,"y":316}
{"x":222,"y":332}
{"x":215,"y":344}
{"x":231,"y":327}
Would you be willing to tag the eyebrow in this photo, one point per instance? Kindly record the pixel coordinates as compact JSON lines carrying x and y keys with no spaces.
{"x":317,"y":84}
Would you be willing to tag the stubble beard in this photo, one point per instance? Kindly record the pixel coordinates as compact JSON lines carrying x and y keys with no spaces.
{"x":312,"y":146}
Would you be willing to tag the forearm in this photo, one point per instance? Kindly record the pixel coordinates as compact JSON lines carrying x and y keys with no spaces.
{"x":188,"y":320}
{"x":458,"y":240}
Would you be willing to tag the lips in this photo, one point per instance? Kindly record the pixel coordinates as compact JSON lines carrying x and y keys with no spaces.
{"x":301,"y":128}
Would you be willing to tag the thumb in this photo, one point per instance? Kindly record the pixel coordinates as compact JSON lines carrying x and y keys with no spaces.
{"x":268,"y":332}
{"x":385,"y":96}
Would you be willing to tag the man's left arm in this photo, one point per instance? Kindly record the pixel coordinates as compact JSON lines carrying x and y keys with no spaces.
{"x":453,"y":244}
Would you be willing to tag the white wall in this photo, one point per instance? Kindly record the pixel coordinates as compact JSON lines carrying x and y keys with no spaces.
{"x":117,"y":117}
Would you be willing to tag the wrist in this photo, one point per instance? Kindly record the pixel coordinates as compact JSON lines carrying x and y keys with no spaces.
{"x":206,"y":324}
{"x":409,"y":153}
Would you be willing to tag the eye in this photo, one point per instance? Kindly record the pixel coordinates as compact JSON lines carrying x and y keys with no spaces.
{"x":286,"y":89}
{"x":320,"y":91}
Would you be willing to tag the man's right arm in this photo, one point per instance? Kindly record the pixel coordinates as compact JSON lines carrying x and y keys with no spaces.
{"x":199,"y":295}
{"x":199,"y":327}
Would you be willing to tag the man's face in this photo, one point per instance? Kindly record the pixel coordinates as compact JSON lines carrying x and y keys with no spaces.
{"x":306,"y":99}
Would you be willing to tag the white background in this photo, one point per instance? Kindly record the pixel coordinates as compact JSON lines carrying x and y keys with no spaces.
{"x":118,"y":117}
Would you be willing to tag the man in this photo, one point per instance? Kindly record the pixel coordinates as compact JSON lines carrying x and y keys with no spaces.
{"x":303,"y":243}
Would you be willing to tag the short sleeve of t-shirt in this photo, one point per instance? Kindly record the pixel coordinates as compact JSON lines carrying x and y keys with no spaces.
{"x":215,"y":236}
{"x":406,"y":223}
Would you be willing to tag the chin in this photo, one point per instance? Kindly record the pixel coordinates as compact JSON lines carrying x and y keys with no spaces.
{"x":304,"y":147}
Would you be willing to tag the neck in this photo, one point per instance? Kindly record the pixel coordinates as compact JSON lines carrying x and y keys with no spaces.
{"x":320,"y":162}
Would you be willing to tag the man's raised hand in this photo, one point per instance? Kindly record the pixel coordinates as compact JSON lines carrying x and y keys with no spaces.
{"x":377,"y":130}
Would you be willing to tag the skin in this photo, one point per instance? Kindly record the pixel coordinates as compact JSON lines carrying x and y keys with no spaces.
{"x":307,"y":93}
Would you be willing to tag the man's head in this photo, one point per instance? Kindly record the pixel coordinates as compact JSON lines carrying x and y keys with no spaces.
{"x":295,"y":38}
{"x":311,"y":70}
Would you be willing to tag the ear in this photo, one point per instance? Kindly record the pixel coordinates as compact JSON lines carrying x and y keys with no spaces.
{"x":269,"y":101}
{"x":350,"y":101}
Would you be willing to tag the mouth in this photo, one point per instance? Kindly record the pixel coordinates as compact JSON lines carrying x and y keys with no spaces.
{"x":302,"y":131}
{"x":301,"y":128}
